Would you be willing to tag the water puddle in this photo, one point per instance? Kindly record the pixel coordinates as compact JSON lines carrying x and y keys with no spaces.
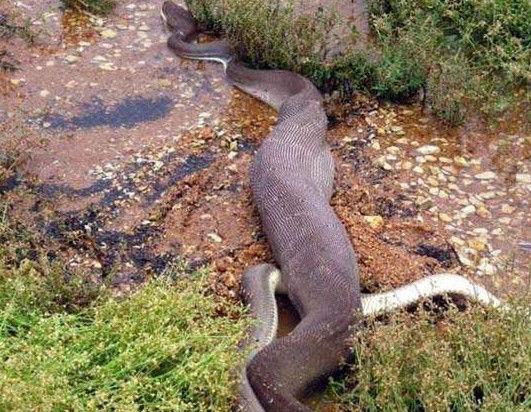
{"x":128,"y":113}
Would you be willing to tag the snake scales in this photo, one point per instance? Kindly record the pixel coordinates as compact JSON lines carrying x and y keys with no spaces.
{"x":292,"y":182}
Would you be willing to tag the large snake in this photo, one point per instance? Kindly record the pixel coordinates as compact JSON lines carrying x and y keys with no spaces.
{"x":292,"y":182}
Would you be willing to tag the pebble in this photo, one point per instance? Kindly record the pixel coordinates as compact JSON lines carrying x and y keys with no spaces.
{"x":44,"y":93}
{"x":486,"y":267}
{"x":71,"y":59}
{"x":215,"y":237}
{"x":108,"y":34}
{"x":445,"y":217}
{"x":468,"y":210}
{"x":428,"y":150}
{"x":460,"y":161}
{"x":108,"y":66}
{"x":489,"y":175}
{"x":523,"y":178}
{"x":374,"y":221}
{"x":507,"y":209}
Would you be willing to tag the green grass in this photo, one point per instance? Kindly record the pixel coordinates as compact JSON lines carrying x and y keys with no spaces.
{"x":92,"y":6}
{"x":466,"y":55}
{"x":165,"y":347}
{"x":67,"y":343}
{"x":464,"y":361}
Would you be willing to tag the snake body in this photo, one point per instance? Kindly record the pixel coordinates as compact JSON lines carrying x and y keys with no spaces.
{"x":292,"y":182}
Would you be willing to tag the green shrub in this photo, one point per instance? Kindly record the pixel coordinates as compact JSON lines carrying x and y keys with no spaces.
{"x":466,"y":54}
{"x":92,"y":6}
{"x":474,"y":360}
{"x":473,"y":53}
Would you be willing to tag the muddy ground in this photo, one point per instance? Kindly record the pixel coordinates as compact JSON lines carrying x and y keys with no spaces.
{"x":129,"y":160}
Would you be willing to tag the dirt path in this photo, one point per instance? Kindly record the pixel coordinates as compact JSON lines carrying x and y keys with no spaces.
{"x":137,"y":160}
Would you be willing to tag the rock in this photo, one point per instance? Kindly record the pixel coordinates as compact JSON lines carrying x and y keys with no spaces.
{"x":460,"y":161}
{"x":468,"y":210}
{"x":466,"y":256}
{"x":393,"y":150}
{"x":523,"y":178}
{"x":233,"y":168}
{"x":488,"y":175}
{"x":486,"y":267}
{"x":445,"y":218}
{"x":457,"y":241}
{"x":507,"y":209}
{"x":487,"y":195}
{"x":214,"y":237}
{"x":479,"y":244}
{"x":418,"y":169}
{"x":432,"y":181}
{"x":374,"y":221}
{"x":482,"y":211}
{"x":107,"y":66}
{"x":423,"y":202}
{"x":71,"y":59}
{"x":428,"y":150}
{"x":44,"y":93}
{"x":405,"y":165}
{"x":108,"y":34}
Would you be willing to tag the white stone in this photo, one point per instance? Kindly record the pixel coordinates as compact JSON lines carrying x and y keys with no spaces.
{"x":70,"y":59}
{"x":428,"y":149}
{"x":488,"y":175}
{"x":523,"y":178}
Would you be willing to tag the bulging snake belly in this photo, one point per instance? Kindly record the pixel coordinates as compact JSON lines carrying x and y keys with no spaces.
{"x":292,"y":181}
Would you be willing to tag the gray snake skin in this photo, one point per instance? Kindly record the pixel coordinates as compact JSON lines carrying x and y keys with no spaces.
{"x":292,"y":182}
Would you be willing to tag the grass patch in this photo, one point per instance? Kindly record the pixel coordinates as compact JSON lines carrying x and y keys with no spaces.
{"x":479,"y":359}
{"x":67,"y":344}
{"x":102,"y":7}
{"x":165,"y":347}
{"x":465,"y":54}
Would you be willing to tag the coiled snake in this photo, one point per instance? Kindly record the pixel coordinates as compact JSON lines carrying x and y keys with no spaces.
{"x":292,"y":182}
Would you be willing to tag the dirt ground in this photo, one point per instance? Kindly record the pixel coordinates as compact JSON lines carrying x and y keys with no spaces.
{"x":131,"y":160}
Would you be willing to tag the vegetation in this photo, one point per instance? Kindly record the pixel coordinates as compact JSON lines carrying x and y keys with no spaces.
{"x":67,"y":344}
{"x":474,"y":360}
{"x":462,"y":53}
{"x":92,"y":6}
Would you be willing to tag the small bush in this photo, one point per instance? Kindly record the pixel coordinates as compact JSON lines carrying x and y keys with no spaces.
{"x":92,"y":6}
{"x":474,"y":360}
{"x":463,"y":53}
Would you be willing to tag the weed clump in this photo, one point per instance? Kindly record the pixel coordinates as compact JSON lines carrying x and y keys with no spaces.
{"x":478,"y":359}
